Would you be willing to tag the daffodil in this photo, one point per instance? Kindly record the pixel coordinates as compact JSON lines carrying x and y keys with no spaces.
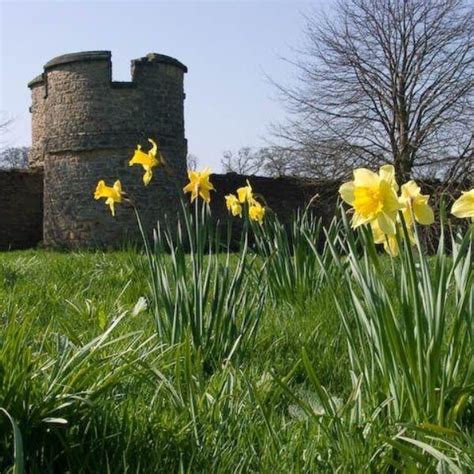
{"x":148,"y":160}
{"x":199,"y":184}
{"x":245,"y":193}
{"x":373,"y":197}
{"x":256,"y":211}
{"x":112,"y":194}
{"x":233,"y":205}
{"x":463,"y":207}
{"x":390,"y":241}
{"x":413,"y":201}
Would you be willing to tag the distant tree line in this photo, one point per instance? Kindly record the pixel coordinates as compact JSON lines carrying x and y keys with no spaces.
{"x":14,"y":157}
{"x":10,"y":157}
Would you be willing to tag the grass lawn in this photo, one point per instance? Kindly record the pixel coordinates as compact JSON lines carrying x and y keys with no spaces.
{"x":132,"y":404}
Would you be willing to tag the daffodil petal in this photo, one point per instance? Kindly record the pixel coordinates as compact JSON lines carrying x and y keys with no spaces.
{"x":147,"y":176}
{"x":358,"y":220}
{"x":237,"y":210}
{"x":423,"y":213}
{"x":407,"y":216}
{"x":463,"y":207}
{"x":391,"y":245}
{"x":118,"y":187}
{"x":387,"y":173}
{"x":389,"y":197}
{"x":110,"y":203}
{"x":189,"y":188}
{"x":233,"y":205}
{"x":386,"y":223}
{"x":99,"y":190}
{"x":192,"y":175}
{"x":204,"y":193}
{"x":378,"y":235}
{"x":346,"y":192}
{"x":410,"y":189}
{"x":365,"y":178}
{"x":154,"y":148}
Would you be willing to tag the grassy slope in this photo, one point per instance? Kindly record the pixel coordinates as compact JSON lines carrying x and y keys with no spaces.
{"x":79,"y":291}
{"x":133,"y":407}
{"x":77,"y":295}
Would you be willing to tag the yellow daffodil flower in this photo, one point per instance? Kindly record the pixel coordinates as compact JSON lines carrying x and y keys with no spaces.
{"x":411,"y":198}
{"x":199,"y":184}
{"x":256,"y":211}
{"x":373,"y":197}
{"x":389,"y":241}
{"x":245,"y":193}
{"x":112,"y":194}
{"x":148,"y":160}
{"x":463,"y":207}
{"x":233,"y":205}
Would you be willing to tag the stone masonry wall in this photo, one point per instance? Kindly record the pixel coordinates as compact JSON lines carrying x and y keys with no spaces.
{"x":86,"y":128}
{"x":38,"y":122}
{"x":282,"y":195}
{"x":75,"y":219}
{"x":21,"y":193}
{"x":21,"y":209}
{"x":79,"y":218}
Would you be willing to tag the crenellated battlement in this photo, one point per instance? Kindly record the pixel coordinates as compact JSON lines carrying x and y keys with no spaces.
{"x":89,"y":60}
{"x":85,"y":109}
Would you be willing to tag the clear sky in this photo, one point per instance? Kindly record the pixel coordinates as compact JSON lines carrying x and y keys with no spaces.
{"x":228,"y":47}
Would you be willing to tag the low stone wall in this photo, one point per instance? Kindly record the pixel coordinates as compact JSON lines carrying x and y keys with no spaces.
{"x":21,"y":208}
{"x":282,"y":195}
{"x":21,"y":193}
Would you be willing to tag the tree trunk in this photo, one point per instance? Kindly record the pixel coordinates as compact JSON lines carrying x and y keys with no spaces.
{"x":402,"y":168}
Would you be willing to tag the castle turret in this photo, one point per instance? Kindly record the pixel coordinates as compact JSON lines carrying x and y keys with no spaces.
{"x":85,"y":127}
{"x":38,"y":117}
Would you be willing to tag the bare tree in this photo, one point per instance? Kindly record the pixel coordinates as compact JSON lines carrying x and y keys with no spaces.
{"x":14,"y":157}
{"x":5,"y":124}
{"x":385,"y":81}
{"x":280,"y":161}
{"x":266,"y":161}
{"x":244,"y":161}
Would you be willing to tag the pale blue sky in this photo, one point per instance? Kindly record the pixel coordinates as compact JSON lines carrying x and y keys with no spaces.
{"x":228,"y":47}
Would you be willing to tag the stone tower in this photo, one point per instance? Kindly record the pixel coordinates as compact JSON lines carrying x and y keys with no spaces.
{"x":85,"y":127}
